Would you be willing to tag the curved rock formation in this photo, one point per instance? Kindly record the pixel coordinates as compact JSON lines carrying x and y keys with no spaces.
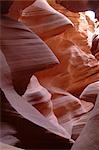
{"x":44,"y":20}
{"x":89,"y":137}
{"x":90,"y":92}
{"x":66,"y":33}
{"x":77,"y":67}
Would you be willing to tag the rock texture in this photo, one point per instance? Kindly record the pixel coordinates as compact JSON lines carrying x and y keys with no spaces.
{"x":69,"y":36}
{"x":44,"y":20}
{"x":90,"y":92}
{"x":78,"y":67}
{"x":72,"y":47}
{"x":83,"y":27}
{"x":89,"y":137}
{"x":71,"y":43}
{"x":75,"y":71}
